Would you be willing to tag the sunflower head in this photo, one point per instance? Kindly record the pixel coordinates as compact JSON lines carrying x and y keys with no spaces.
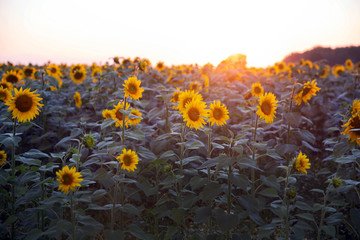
{"x":218,"y":113}
{"x":12,"y":77}
{"x":132,"y":88}
{"x":96,"y":72}
{"x":78,"y":75}
{"x":54,"y":71}
{"x":77,"y":99}
{"x":128,"y":159}
{"x":267,"y":107}
{"x":5,"y":94}
{"x":281,"y":66}
{"x":68,"y":179}
{"x":160,"y":66}
{"x":338,"y":70}
{"x":308,"y":90}
{"x":247,"y":95}
{"x":186,"y":97}
{"x":302,"y":163}
{"x":118,"y":116}
{"x":136,"y":118}
{"x":195,"y":113}
{"x":108,"y":114}
{"x":336,"y":182}
{"x":205,"y":79}
{"x":349,"y":64}
{"x":291,"y":193}
{"x":355,"y":108}
{"x":257,"y":90}
{"x":3,"y":157}
{"x":88,"y":141}
{"x":24,"y":105}
{"x":195,"y":86}
{"x":352,"y":126}
{"x":29,"y":72}
{"x":324,"y":72}
{"x":6,"y":85}
{"x":142,"y":65}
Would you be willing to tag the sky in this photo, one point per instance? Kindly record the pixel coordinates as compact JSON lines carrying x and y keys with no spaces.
{"x":175,"y":32}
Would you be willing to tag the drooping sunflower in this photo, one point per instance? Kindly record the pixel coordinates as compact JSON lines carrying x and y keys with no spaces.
{"x":132,"y":88}
{"x":24,"y":105}
{"x":160,"y":66}
{"x":29,"y":72}
{"x":302,"y":163}
{"x":338,"y":70}
{"x":128,"y":159}
{"x":218,"y":113}
{"x":108,"y":114}
{"x":3,"y":157}
{"x":6,"y":85}
{"x":324,"y":72}
{"x":355,"y":108}
{"x":135,"y":120}
{"x":95,"y":73}
{"x":257,"y":90}
{"x":12,"y":77}
{"x":185,"y":97}
{"x":349,"y":64}
{"x":308,"y":90}
{"x":78,"y":76}
{"x":118,"y":116}
{"x":352,"y":128}
{"x":5,"y":94}
{"x":54,"y":71}
{"x":195,"y":113}
{"x":77,"y":99}
{"x":68,"y":179}
{"x":142,"y":65}
{"x":195,"y":86}
{"x":267,"y":107}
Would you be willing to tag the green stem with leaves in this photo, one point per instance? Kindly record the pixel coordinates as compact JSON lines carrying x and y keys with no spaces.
{"x":13,"y":176}
{"x":209,"y":152}
{"x":123,"y":125}
{"x":253,"y":157}
{"x":323,"y":213}
{"x":72,"y":216}
{"x":288,"y":127}
{"x":287,"y":224}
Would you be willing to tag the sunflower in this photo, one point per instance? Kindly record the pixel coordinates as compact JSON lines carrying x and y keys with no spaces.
{"x":185,"y":97}
{"x":353,"y":128}
{"x":308,"y":90}
{"x":78,"y":76}
{"x":142,"y":65}
{"x":257,"y":90}
{"x":358,"y":67}
{"x":3,"y":157}
{"x":77,"y":99}
{"x":272,"y":70}
{"x":12,"y":77}
{"x":195,"y":86}
{"x":128,"y":159}
{"x":338,"y":70}
{"x":108,"y":114}
{"x":5,"y":94}
{"x":308,"y":63}
{"x":302,"y":163}
{"x":118,"y":116}
{"x":349,"y":64}
{"x":77,"y":67}
{"x":355,"y":108}
{"x":95,"y":73}
{"x":135,"y":120}
{"x":194,"y":113}
{"x":324,"y":72}
{"x":132,"y":88}
{"x":205,"y":79}
{"x":68,"y":179}
{"x":281,"y":66}
{"x":6,"y":85}
{"x":25,"y":105}
{"x":53,"y":70}
{"x":160,"y":66}
{"x":218,"y":113}
{"x":29,"y":72}
{"x":267,"y":107}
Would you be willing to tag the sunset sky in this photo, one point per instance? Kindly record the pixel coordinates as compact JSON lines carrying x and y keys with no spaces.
{"x":176,"y":32}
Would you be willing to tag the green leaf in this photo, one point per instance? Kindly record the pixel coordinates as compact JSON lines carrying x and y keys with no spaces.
{"x":34,"y":234}
{"x":177,"y":215}
{"x":269,"y":192}
{"x":137,"y":232}
{"x":303,"y":206}
{"x":168,"y":154}
{"x":171,"y":231}
{"x":284,"y":149}
{"x":330,"y":230}
{"x":202,"y":214}
{"x":318,"y":191}
{"x":306,"y":216}
{"x":107,"y":123}
{"x":240,"y":181}
{"x":341,"y":148}
{"x":11,"y":219}
{"x":226,"y":221}
{"x":29,"y":161}
{"x":211,"y":190}
{"x":131,"y":209}
{"x":114,"y":235}
{"x":145,"y":153}
{"x":355,"y":218}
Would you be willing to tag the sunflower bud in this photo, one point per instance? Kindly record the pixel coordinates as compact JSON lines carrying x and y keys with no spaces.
{"x":291,"y":193}
{"x":167,"y":168}
{"x":88,"y":141}
{"x":336,"y":181}
{"x":116,"y":60}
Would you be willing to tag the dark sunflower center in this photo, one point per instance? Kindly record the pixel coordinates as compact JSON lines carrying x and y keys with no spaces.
{"x":176,"y":97}
{"x":2,"y":157}
{"x":78,"y":75}
{"x":281,"y":67}
{"x":3,"y":85}
{"x":257,"y":90}
{"x":12,"y":78}
{"x":186,"y":101}
{"x":355,"y":124}
{"x":266,"y":107}
{"x":2,"y":95}
{"x":23,"y":103}
{"x":194,"y":87}
{"x":77,"y":99}
{"x":160,"y":65}
{"x":28,"y":72}
{"x":339,"y":71}
{"x":322,"y":73}
{"x":306,"y":90}
{"x":217,"y":113}
{"x":53,"y":70}
{"x":119,"y":115}
{"x":127,"y":160}
{"x":194,"y":114}
{"x":67,"y":179}
{"x":132,"y":88}
{"x":76,"y":69}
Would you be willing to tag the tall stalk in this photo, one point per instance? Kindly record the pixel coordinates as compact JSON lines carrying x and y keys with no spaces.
{"x":209,"y":152}
{"x":323,"y":213}
{"x":287,"y":224}
{"x":253,"y":158}
{"x":123,"y":126}
{"x":288,"y":127}
{"x":72,"y":216}
{"x":13,"y":176}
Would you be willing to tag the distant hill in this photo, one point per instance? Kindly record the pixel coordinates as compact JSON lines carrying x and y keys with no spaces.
{"x":328,"y":55}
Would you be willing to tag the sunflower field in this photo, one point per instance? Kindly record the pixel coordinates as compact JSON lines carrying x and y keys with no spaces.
{"x":133,"y":150}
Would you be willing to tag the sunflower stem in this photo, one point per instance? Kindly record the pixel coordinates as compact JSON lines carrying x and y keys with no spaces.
{"x":13,"y":175}
{"x":123,"y":126}
{"x":72,"y":215}
{"x":209,"y":152}
{"x":114,"y":199}
{"x":323,"y":213}
{"x":253,"y":157}
{"x":288,"y":127}
{"x":287,"y":230}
